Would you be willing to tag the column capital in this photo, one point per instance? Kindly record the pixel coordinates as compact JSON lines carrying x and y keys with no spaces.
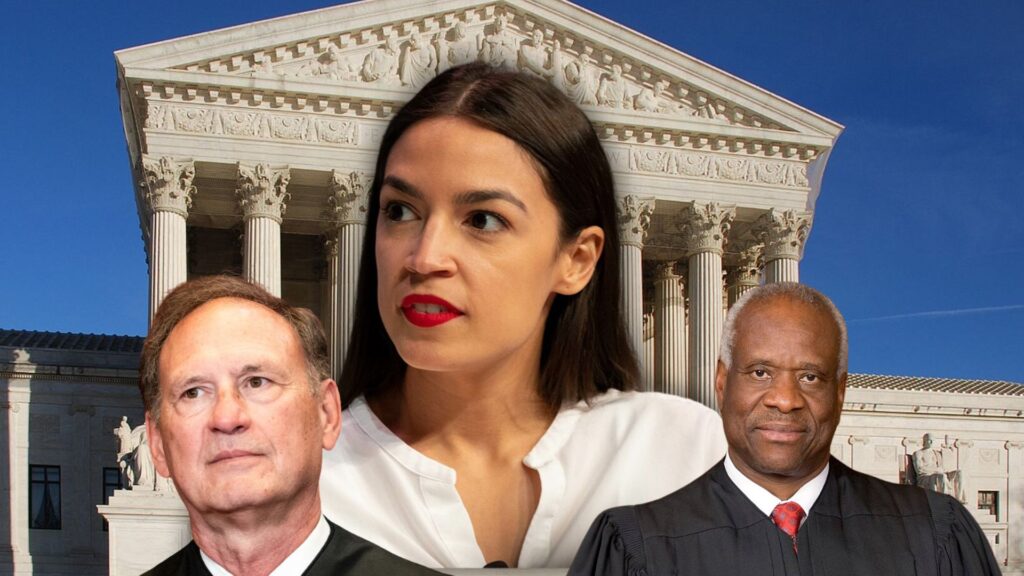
{"x":167,"y":184}
{"x":705,"y":226}
{"x":331,"y":247}
{"x":648,"y":323}
{"x":634,"y":217}
{"x":262,"y":191}
{"x":350,"y":197}
{"x":1014,"y":445}
{"x":666,"y":271}
{"x":746,"y":272}
{"x":783,"y":233}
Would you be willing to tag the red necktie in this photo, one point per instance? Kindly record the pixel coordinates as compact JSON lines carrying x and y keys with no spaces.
{"x":787,"y":517}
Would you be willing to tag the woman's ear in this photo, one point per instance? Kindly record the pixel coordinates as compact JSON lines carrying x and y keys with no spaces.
{"x":578,"y":260}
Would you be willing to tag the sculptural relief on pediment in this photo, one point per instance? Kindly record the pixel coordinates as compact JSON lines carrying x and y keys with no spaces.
{"x":406,"y":55}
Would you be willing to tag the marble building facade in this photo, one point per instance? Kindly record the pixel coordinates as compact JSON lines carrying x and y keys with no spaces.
{"x":253,"y":149}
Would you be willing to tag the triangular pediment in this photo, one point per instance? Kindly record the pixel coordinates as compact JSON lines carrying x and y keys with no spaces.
{"x":386,"y":49}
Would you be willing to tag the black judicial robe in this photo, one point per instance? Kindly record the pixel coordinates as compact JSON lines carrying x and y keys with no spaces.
{"x":343,"y":554}
{"x":859,"y":525}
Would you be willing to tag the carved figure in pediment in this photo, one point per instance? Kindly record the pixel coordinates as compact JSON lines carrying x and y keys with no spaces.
{"x":381,"y":65}
{"x":419,"y":63}
{"x":613,"y":91}
{"x":580,"y":79}
{"x":263,"y":65}
{"x":333,"y":65}
{"x":708,"y":108}
{"x":533,"y":56}
{"x":500,"y":48}
{"x":654,"y":99}
{"x":455,"y":47}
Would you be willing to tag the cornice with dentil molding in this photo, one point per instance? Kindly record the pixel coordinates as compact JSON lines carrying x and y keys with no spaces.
{"x":262,"y":191}
{"x":172,"y":106}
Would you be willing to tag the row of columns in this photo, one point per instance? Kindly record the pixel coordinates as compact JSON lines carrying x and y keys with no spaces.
{"x":685,"y":350}
{"x":262,"y":192}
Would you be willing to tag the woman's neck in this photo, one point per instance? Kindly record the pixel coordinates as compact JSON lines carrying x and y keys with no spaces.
{"x":497,"y":413}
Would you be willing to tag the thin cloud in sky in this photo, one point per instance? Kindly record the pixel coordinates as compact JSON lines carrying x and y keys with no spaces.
{"x":942,"y":313}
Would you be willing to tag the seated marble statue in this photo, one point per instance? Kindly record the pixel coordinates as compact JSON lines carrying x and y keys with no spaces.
{"x":488,"y":386}
{"x":935,"y":469}
{"x":239,"y":409}
{"x":778,"y":503}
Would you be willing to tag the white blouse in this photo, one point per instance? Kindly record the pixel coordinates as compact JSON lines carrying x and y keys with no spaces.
{"x":624,"y":448}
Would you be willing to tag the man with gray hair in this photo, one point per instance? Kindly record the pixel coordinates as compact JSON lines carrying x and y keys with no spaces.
{"x":778,"y":503}
{"x":240,"y":406}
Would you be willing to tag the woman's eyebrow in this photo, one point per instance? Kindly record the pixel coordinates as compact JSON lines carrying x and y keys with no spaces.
{"x":478,"y":196}
{"x":462,"y":199}
{"x":402,"y":186}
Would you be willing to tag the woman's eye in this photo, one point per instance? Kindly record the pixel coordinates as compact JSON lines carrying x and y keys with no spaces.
{"x":486,"y":221}
{"x":190,"y":394}
{"x":398,"y":212}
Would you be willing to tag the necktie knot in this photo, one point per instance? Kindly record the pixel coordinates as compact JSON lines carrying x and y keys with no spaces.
{"x":787,"y":517}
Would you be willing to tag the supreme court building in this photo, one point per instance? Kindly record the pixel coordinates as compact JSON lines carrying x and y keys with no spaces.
{"x":252,"y":150}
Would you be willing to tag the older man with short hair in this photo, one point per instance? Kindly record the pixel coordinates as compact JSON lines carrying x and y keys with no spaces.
{"x":239,"y":408}
{"x":778,"y":504}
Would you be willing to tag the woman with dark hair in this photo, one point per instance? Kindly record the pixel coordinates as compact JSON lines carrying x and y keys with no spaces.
{"x":489,"y":414}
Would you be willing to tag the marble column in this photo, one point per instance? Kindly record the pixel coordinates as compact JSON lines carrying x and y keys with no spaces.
{"x":347,"y":212}
{"x":705,"y":227}
{"x":168,"y":191}
{"x":1015,"y":506}
{"x":634,"y":219}
{"x":647,"y":378}
{"x":670,"y":331}
{"x":746,"y":274}
{"x":262,"y":194}
{"x":783,"y":233}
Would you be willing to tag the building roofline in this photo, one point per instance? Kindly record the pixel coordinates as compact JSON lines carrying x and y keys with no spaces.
{"x":44,"y":340}
{"x":929,"y":384}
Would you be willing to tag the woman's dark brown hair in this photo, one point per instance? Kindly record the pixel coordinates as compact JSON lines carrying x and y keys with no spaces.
{"x":585,"y":350}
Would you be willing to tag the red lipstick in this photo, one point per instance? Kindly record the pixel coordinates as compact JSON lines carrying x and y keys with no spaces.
{"x":427,"y":311}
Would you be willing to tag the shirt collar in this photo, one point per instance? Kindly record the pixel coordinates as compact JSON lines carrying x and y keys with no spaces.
{"x":296,"y":562}
{"x":765,"y":501}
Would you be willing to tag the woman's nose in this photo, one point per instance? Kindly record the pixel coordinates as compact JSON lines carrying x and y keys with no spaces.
{"x":433,"y":250}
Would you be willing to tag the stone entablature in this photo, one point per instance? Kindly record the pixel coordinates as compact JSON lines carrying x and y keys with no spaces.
{"x":216,"y":108}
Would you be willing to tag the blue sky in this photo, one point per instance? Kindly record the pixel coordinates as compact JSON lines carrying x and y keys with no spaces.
{"x":918,"y":234}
